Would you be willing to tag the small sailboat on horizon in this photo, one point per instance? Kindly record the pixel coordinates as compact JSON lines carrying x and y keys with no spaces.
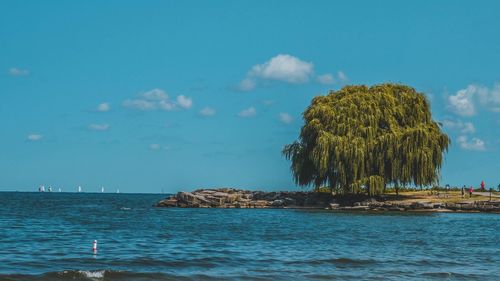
{"x":79,"y":189}
{"x":102,"y":189}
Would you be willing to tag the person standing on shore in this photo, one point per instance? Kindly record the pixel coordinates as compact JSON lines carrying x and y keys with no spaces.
{"x":463,"y":191}
{"x":482,"y":185}
{"x":471,"y":189}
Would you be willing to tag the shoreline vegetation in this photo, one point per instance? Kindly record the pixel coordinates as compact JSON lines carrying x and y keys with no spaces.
{"x":435,"y":200}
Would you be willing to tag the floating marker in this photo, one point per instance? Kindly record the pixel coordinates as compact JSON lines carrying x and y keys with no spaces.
{"x":94,"y":246}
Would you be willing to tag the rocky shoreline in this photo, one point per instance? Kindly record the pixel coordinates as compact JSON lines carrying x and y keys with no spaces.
{"x":236,"y":198}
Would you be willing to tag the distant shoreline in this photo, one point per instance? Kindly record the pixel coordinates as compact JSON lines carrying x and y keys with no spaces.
{"x":409,"y":201}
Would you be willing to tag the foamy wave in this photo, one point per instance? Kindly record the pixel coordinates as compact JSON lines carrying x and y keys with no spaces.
{"x":98,"y":274}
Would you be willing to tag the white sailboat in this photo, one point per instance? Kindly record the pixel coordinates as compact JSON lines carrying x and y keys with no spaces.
{"x":79,"y":189}
{"x":41,"y":188}
{"x":60,"y":190}
{"x":50,"y":188}
{"x":117,"y":190}
{"x":102,"y":189}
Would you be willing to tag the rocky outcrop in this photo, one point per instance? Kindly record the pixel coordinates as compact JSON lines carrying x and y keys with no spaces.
{"x":236,"y":198}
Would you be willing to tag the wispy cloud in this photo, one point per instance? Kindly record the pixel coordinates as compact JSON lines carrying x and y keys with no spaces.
{"x":139,"y":104}
{"x":342,"y":77}
{"x":103,"y":107}
{"x":157,"y":146}
{"x":34,"y":137}
{"x":157,"y":99}
{"x":14,"y":71}
{"x":98,"y":127}
{"x":329,"y":78}
{"x":268,"y":102}
{"x":247,"y":84}
{"x":326,"y":79}
{"x":249,"y":112}
{"x":460,"y":126}
{"x":475,"y":144}
{"x":154,"y":146}
{"x":285,"y":118}
{"x":208,"y":111}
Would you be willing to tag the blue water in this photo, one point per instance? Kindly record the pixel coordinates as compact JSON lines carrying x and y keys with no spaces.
{"x":48,"y":236}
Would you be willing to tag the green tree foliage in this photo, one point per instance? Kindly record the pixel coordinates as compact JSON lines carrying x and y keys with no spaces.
{"x":362,"y":138}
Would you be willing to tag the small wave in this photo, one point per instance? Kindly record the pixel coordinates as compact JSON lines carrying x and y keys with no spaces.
{"x":92,"y":275}
{"x":454,"y":275}
{"x":335,"y":261}
{"x":125,"y":208}
{"x":99,"y":274}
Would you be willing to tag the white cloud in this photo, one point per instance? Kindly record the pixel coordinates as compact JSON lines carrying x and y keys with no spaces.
{"x":461,"y":103}
{"x":99,"y":127}
{"x":184,"y":102}
{"x":286,"y":118}
{"x":157,"y":99}
{"x":285,"y":68}
{"x":208,"y":111}
{"x":155,"y":95}
{"x":249,"y":112}
{"x":474,"y":144}
{"x":154,"y":146}
{"x":34,"y":137}
{"x":465,"y":101}
{"x":458,"y":125}
{"x":103,"y":107}
{"x":14,"y":71}
{"x":166,"y":105}
{"x":326,"y":79}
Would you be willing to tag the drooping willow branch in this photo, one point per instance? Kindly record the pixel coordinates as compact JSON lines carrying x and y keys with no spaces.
{"x":362,"y":138}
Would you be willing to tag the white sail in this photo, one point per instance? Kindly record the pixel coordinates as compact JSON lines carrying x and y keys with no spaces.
{"x":60,"y":190}
{"x":50,"y":188}
{"x":42,"y":188}
{"x":117,"y":190}
{"x":102,"y":189}
{"x":79,"y":189}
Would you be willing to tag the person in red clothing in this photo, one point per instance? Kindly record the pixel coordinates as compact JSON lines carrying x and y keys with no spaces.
{"x":482,"y":185}
{"x":470,"y":191}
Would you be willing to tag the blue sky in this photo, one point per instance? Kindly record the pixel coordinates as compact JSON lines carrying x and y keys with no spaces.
{"x":175,"y":95}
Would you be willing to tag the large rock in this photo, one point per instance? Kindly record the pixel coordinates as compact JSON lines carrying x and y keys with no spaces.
{"x":235,"y":198}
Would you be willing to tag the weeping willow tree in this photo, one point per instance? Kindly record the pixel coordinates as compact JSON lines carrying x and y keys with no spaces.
{"x":361,"y":139}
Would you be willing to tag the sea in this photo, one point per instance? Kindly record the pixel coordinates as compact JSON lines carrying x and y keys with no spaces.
{"x":49,"y":236}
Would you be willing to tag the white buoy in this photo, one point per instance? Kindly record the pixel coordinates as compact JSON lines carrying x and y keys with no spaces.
{"x":94,"y":246}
